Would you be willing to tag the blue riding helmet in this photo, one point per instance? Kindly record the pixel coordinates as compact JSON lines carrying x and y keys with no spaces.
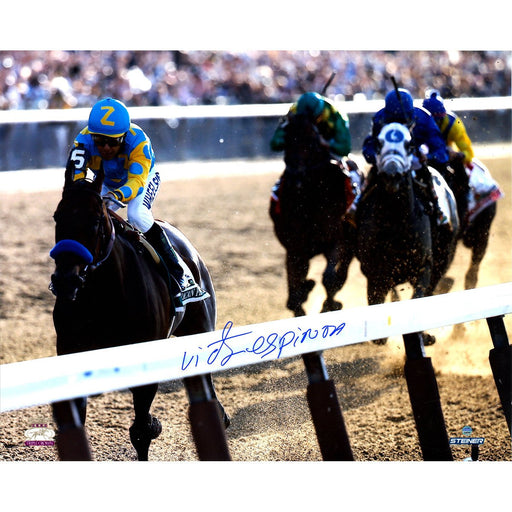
{"x":399,"y":108}
{"x":434,"y":104}
{"x":109,"y":117}
{"x":311,"y":104}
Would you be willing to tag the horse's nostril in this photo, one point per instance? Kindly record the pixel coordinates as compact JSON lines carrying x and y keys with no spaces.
{"x":66,"y":286}
{"x":392,"y":168}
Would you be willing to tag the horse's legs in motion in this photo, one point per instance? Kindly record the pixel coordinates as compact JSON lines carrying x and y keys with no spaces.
{"x":298,"y":286}
{"x":334,"y":277}
{"x":471,"y":277}
{"x":376,"y":293}
{"x":477,"y":238}
{"x":424,"y":287}
{"x":81,"y":408}
{"x":226,"y":420}
{"x":444,"y":250}
{"x":72,"y":442}
{"x":145,"y":427}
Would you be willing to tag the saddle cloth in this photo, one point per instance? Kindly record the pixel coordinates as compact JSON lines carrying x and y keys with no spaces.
{"x":483,"y":189}
{"x":446,"y":201}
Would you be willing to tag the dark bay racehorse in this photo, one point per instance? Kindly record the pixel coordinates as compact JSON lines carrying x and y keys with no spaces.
{"x":307,"y":211}
{"x":395,"y":240}
{"x":477,"y":194}
{"x":110,"y":292}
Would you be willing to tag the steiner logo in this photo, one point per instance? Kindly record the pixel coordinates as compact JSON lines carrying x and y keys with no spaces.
{"x":473,"y":441}
{"x":467,"y":440}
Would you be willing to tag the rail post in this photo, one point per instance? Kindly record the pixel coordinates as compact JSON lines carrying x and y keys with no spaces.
{"x":325,"y":410}
{"x":72,"y":442}
{"x":500,"y":358}
{"x":425,"y":401}
{"x":205,"y":421}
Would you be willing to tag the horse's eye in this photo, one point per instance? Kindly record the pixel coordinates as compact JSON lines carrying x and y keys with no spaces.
{"x":92,"y":223}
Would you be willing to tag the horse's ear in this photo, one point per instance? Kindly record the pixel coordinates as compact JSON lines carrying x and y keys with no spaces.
{"x":98,"y":179}
{"x":69,"y":172}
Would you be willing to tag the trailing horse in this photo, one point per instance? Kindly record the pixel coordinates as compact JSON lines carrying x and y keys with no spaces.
{"x":307,"y":209}
{"x":111,"y":291}
{"x":397,"y":241}
{"x":476,"y":193}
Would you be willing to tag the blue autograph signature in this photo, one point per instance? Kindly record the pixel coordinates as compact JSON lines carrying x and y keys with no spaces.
{"x":262,"y":346}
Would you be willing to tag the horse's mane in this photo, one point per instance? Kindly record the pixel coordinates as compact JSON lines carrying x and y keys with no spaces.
{"x":81,"y":187}
{"x":302,"y":144}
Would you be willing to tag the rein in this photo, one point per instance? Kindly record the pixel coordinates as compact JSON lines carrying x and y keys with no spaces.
{"x":109,"y":247}
{"x":70,"y":245}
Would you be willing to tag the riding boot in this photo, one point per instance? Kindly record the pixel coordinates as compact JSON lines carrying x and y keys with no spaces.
{"x":461,"y":189}
{"x":189,"y":289}
{"x":431,"y":203}
{"x":361,"y":189}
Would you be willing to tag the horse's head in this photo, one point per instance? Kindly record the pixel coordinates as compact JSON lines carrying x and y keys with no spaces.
{"x":303,"y":150}
{"x":83,"y":234}
{"x":394,"y":159}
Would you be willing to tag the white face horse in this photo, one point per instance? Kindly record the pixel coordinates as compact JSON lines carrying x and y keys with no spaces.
{"x":395,"y":156}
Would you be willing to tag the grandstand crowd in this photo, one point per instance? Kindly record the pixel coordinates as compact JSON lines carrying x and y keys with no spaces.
{"x":68,"y":79}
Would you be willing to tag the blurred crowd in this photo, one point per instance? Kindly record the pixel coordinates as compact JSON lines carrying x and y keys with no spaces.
{"x":68,"y":79}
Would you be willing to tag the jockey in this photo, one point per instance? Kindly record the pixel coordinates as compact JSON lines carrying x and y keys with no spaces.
{"x":424,"y":131}
{"x":452,"y":129}
{"x":454,"y":134}
{"x":332,"y":127}
{"x":111,"y":142}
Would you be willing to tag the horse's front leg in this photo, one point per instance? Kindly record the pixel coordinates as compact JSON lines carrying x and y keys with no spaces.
{"x":145,"y":427}
{"x":377,"y":291}
{"x":422,"y":283}
{"x":424,"y":287}
{"x":477,"y":255}
{"x":226,"y":420}
{"x":476,"y":238}
{"x":299,"y":286}
{"x":72,"y":441}
{"x":334,"y":277}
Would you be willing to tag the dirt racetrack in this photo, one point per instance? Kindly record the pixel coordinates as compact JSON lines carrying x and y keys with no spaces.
{"x":226,"y":218}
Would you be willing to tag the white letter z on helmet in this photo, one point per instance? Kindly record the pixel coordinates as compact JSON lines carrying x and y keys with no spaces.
{"x":109,"y":117}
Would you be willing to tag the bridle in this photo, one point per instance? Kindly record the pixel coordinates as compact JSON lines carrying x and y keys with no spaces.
{"x":105,"y":238}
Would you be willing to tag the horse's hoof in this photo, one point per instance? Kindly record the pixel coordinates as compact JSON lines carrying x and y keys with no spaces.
{"x":428,"y":339}
{"x":380,"y":341}
{"x":297,"y":310}
{"x":445,"y":285}
{"x":332,"y":305}
{"x":309,"y":285}
{"x":142,"y":435}
{"x":226,"y":420}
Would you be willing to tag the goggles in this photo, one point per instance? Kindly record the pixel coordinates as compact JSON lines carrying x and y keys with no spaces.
{"x":113,"y":142}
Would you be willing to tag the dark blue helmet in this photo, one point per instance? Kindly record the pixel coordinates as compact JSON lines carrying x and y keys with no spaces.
{"x":399,"y":106}
{"x":434,"y":104}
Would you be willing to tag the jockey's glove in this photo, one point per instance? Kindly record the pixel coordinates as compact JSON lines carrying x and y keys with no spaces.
{"x":113,"y":201}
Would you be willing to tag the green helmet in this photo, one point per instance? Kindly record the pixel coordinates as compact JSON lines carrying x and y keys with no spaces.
{"x":311,"y":104}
